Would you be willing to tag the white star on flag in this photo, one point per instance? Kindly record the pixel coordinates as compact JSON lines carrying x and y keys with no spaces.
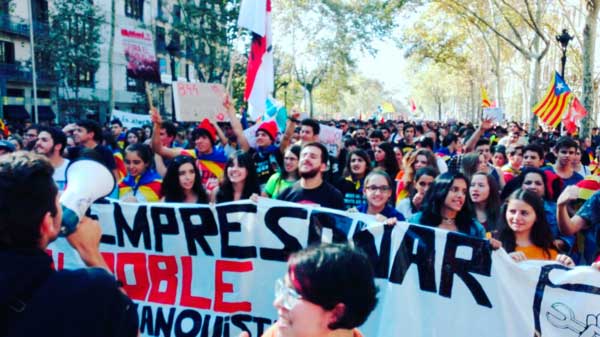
{"x":559,"y":86}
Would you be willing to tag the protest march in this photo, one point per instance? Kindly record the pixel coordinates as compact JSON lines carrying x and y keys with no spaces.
{"x":255,"y":169}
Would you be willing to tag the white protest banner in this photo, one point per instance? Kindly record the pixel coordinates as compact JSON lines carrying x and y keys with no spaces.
{"x":495,"y":114}
{"x":196,"y":101}
{"x":209,"y":270}
{"x":131,"y":120}
{"x":138,"y":46}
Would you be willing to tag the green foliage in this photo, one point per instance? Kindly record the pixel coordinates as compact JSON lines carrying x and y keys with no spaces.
{"x":72,"y":46}
{"x":209,"y":28}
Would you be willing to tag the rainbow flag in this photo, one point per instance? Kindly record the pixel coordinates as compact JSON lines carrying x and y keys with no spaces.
{"x":145,"y":188}
{"x":552,"y":107}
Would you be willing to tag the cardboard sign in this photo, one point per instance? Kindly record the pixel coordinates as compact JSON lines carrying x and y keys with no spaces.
{"x":495,"y":114}
{"x":131,"y":120}
{"x":196,"y":101}
{"x":138,"y":46}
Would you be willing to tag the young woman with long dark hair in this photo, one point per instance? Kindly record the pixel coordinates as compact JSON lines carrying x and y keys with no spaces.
{"x":239,"y":181}
{"x":447,"y":206}
{"x":526,"y":234}
{"x":183,"y":182}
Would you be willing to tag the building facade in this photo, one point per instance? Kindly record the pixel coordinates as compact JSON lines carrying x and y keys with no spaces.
{"x":56,"y":96}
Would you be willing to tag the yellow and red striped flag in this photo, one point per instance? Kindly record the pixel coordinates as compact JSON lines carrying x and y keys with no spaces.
{"x":485,"y":101}
{"x":552,"y":107}
{"x":4,"y":129}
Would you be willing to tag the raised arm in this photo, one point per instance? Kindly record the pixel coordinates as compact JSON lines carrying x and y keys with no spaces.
{"x":156,"y":144}
{"x":568,"y":225}
{"x":236,"y":125}
{"x":289,"y":130}
{"x":485,"y":125}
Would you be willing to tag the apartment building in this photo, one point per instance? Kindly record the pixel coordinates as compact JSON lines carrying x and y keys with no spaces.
{"x":55,"y":96}
{"x":16,"y":73}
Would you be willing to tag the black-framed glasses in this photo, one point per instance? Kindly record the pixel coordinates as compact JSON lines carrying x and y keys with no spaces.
{"x":381,"y":189}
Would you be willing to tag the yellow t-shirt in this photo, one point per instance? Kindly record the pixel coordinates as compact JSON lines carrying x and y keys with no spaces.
{"x":537,"y":253}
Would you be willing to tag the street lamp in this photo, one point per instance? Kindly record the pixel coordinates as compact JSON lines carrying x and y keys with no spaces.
{"x":173,"y":49}
{"x":285,"y":84}
{"x":564,"y":39}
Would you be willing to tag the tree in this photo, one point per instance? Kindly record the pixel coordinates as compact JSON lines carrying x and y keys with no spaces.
{"x":72,"y":46}
{"x":589,"y":52}
{"x":209,"y":29}
{"x":525,"y":33}
{"x":333,"y":32}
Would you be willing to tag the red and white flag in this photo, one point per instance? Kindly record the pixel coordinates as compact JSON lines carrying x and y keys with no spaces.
{"x":413,"y":106}
{"x":574,"y":115}
{"x":255,"y":15}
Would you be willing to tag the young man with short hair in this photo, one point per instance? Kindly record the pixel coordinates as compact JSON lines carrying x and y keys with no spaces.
{"x":51,"y":143}
{"x":35,"y":298}
{"x":210,"y":159}
{"x":88,"y":138}
{"x":565,"y":151}
{"x":116,"y":129}
{"x":312,"y":189}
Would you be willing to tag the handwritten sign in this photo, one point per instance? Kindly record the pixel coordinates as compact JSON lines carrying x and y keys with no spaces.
{"x":196,"y":101}
{"x":131,"y":120}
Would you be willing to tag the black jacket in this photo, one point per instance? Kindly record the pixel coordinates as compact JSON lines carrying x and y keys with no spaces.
{"x":36,"y":300}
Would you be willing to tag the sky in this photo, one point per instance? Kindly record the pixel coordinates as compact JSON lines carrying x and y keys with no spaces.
{"x":387,"y":66}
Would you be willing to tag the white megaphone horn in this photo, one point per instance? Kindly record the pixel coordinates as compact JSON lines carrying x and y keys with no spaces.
{"x":87,"y":181}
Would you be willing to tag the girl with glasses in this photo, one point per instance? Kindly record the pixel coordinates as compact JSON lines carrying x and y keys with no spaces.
{"x":328,"y":291}
{"x":378,"y":192}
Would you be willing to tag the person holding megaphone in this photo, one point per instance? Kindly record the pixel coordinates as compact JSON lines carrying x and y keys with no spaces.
{"x":35,"y":299}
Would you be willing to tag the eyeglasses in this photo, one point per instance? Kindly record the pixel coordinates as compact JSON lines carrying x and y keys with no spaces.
{"x":381,"y":189}
{"x":289,"y":297}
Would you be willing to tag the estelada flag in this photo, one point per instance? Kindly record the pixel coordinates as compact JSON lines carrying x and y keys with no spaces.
{"x":4,"y":129}
{"x":575,"y":114}
{"x":255,"y":15}
{"x":552,"y":106}
{"x":485,"y":101}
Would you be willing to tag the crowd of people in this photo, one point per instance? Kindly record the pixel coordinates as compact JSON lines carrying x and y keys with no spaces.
{"x":532,"y":194}
{"x":524,"y":192}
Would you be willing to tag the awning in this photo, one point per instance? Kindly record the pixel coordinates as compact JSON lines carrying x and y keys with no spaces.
{"x":15,"y":112}
{"x":45,"y":113}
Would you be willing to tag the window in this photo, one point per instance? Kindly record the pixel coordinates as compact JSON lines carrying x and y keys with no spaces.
{"x":134,"y":85}
{"x":7,"y":52}
{"x":134,"y":9}
{"x":11,"y":92}
{"x":81,"y":78}
{"x":162,"y":66}
{"x":159,"y":9}
{"x":175,"y":39}
{"x":177,"y":66}
{"x":176,"y":13}
{"x":43,"y":94}
{"x":160,"y":39}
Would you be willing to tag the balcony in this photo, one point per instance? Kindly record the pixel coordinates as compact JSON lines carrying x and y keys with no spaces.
{"x":20,"y":27}
{"x":14,"y":25}
{"x":15,"y":72}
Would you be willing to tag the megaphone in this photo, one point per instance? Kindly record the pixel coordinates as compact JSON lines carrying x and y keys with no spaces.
{"x":87,"y":181}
